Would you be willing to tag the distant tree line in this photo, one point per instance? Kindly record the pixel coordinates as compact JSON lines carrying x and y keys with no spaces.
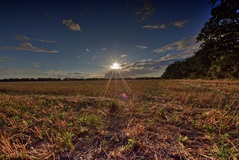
{"x":68,"y":79}
{"x":44,"y":79}
{"x":218,"y":56}
{"x":29,"y":79}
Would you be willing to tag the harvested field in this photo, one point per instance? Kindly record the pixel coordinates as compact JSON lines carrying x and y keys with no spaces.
{"x":145,"y":119}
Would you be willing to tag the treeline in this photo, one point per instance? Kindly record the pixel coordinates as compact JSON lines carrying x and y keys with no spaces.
{"x":45,"y":79}
{"x":218,"y":56}
{"x":69,"y":79}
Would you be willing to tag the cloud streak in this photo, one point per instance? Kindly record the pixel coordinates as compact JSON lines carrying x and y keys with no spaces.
{"x":142,"y":46}
{"x":163,"y":26}
{"x":179,"y":23}
{"x":27,"y":46}
{"x":187,"y":44}
{"x":71,"y":25}
{"x":46,"y":41}
{"x":26,"y":38}
{"x":154,"y":26}
{"x":123,"y":55}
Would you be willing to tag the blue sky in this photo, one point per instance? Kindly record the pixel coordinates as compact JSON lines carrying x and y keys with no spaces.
{"x":81,"y":39}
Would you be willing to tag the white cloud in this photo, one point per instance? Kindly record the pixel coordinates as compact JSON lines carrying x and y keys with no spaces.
{"x":179,"y":23}
{"x":71,"y":25}
{"x":27,"y":46}
{"x":87,"y":50}
{"x":142,"y":46}
{"x":46,"y":41}
{"x":103,"y":49}
{"x":154,"y":26}
{"x":123,"y":55}
{"x":187,"y":44}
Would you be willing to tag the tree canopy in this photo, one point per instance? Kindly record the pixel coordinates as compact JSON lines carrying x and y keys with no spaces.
{"x":218,"y":56}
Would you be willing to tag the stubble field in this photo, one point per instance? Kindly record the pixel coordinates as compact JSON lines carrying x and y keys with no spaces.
{"x":137,"y":119}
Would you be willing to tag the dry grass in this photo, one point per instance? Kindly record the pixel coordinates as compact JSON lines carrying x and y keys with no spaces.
{"x":161,"y":120}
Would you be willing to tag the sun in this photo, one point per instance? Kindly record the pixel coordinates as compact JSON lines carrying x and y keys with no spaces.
{"x":115,"y":66}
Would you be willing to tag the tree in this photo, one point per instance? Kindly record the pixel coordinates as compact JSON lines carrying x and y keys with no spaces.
{"x":220,"y":37}
{"x":218,"y":56}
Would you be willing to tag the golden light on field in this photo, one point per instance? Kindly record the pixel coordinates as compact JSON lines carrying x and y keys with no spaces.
{"x":115,"y":66}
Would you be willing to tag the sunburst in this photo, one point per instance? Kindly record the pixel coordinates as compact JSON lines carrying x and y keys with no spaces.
{"x":115,"y":66}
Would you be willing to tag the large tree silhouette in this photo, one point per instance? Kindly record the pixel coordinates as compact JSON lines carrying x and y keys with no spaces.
{"x":221,"y":35}
{"x":219,"y":53}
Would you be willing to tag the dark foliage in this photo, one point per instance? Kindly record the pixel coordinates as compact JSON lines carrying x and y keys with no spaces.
{"x":218,"y":56}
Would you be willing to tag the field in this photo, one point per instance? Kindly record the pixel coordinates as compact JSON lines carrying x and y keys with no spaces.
{"x":137,"y":119}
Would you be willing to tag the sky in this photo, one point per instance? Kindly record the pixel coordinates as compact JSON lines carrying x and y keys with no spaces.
{"x":81,"y":39}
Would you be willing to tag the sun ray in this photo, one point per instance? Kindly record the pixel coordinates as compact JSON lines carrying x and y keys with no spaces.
{"x":108,"y":84}
{"x":118,"y":80}
{"x":125,"y":84}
